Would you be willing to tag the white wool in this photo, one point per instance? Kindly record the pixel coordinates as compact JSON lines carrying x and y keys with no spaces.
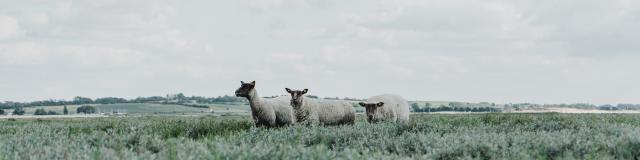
{"x":283,"y":110}
{"x":327,"y":112}
{"x":271,"y":111}
{"x":395,"y":108}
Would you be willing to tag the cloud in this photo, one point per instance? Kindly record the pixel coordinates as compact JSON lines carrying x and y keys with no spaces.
{"x":86,"y":57}
{"x":586,"y":28}
{"x":502,"y":51}
{"x":279,"y":4}
{"x":8,"y":27}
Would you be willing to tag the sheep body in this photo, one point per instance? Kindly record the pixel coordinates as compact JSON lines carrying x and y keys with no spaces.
{"x":395,"y":108}
{"x":283,"y":110}
{"x":270,"y":112}
{"x":327,"y":112}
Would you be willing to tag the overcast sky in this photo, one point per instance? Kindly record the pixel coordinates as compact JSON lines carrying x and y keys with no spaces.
{"x":552,"y":51}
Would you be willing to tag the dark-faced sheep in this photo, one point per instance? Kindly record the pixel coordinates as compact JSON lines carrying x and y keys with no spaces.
{"x":267,"y":112}
{"x":315,"y":111}
{"x":386,"y":107}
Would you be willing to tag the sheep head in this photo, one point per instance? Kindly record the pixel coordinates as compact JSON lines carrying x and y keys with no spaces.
{"x":371,"y":109}
{"x":296,"y":96}
{"x":245,"y":89}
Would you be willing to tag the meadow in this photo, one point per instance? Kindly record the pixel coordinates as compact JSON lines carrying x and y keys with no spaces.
{"x":428,"y":136}
{"x":132,"y":108}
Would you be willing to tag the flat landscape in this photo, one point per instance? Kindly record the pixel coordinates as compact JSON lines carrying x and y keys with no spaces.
{"x":319,"y":79}
{"x":428,"y":136}
{"x":146,"y":108}
{"x":126,"y":108}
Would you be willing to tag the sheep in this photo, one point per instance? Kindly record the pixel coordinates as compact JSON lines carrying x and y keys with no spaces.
{"x":325,"y":112}
{"x":386,"y":107}
{"x":267,"y":112}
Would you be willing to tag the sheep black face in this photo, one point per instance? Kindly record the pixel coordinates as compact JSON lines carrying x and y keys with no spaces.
{"x":371,"y":110}
{"x":245,"y":89}
{"x":296,"y":96}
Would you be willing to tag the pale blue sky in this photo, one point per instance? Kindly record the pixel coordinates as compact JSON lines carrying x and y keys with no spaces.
{"x":490,"y":50}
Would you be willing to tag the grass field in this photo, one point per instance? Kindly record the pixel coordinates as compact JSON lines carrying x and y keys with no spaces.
{"x":151,"y":108}
{"x":429,"y":136}
{"x":135,"y":108}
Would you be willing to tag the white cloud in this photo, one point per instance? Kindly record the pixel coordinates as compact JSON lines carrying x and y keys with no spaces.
{"x":8,"y":27}
{"x":43,"y":55}
{"x":503,"y":51}
{"x":276,"y":4}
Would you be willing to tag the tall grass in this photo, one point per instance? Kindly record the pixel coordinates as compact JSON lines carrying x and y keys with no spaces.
{"x":474,"y":136}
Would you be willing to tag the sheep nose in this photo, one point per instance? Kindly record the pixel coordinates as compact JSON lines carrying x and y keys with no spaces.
{"x":370,"y":117}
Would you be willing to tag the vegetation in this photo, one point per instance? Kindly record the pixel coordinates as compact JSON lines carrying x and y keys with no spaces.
{"x":144,"y":108}
{"x":148,"y":108}
{"x":456,"y":107}
{"x":65,"y":111}
{"x":18,"y":111}
{"x":41,"y":111}
{"x":575,"y":105}
{"x":86,"y":109}
{"x":110,"y":100}
{"x":468,"y":136}
{"x":188,"y":105}
{"x":1,"y":111}
{"x":338,"y":98}
{"x":177,"y":99}
{"x":205,"y":102}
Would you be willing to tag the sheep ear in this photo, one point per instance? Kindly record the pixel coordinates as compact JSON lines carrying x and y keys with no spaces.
{"x":305,"y":91}
{"x":380,"y":104}
{"x":241,"y":82}
{"x":362,"y":104}
{"x":253,"y":83}
{"x":288,"y":90}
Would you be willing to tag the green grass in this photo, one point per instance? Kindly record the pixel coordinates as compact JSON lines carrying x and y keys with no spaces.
{"x":71,"y":108}
{"x":437,"y":136}
{"x":135,"y":108}
{"x":231,"y":107}
{"x":148,"y":108}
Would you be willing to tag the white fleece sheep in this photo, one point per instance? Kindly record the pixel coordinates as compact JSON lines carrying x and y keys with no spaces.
{"x":386,"y":107}
{"x":270,"y":112}
{"x":315,"y":111}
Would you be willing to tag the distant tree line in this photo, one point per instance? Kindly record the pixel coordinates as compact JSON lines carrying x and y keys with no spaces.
{"x":338,"y":98}
{"x":575,"y":105}
{"x":86,"y":109}
{"x":456,"y":107}
{"x":620,"y":107}
{"x":521,"y":106}
{"x":197,"y":101}
{"x":187,"y":104}
{"x":179,"y":99}
{"x":18,"y":111}
{"x":219,"y":99}
{"x":76,"y":101}
{"x":41,"y":111}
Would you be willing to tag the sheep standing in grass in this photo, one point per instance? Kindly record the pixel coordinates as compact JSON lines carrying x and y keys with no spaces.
{"x":386,"y":107}
{"x":314,"y":111}
{"x":267,"y":112}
